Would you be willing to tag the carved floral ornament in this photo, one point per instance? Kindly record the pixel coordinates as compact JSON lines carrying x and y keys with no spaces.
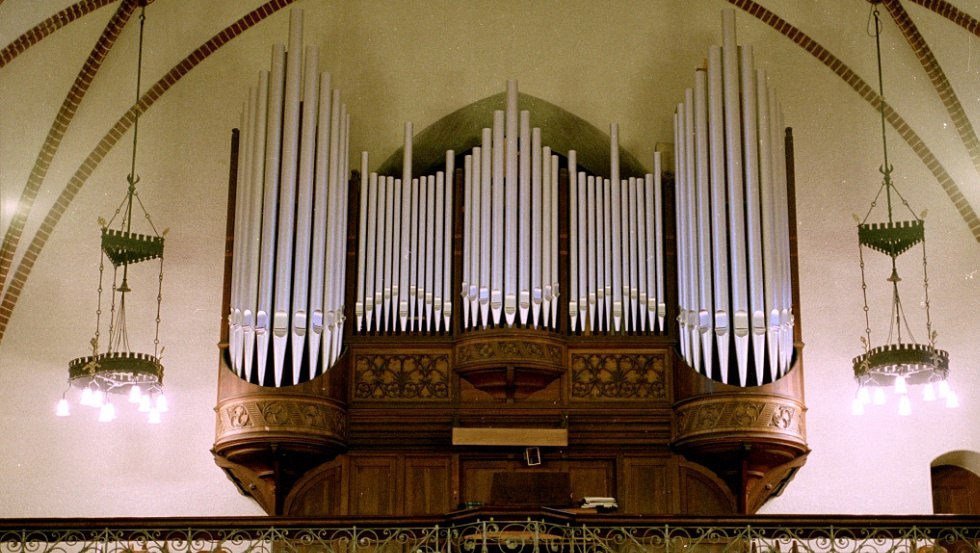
{"x":282,"y":414}
{"x":404,"y":377}
{"x":625,"y":377}
{"x":741,"y":415}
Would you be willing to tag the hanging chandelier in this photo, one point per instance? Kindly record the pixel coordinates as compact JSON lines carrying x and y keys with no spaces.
{"x":900,"y":362}
{"x":119,"y":370}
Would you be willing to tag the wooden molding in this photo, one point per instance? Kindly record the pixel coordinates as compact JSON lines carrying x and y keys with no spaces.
{"x":557,"y":437}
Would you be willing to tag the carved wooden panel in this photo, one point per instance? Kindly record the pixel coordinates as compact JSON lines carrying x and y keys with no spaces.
{"x":318,"y":493}
{"x":604,"y":376}
{"x":647,"y":485}
{"x":476,"y":478}
{"x":374,"y":486}
{"x":587,"y":477}
{"x":429,"y":486}
{"x":702,"y":493}
{"x":593,"y":478}
{"x":395,"y":377}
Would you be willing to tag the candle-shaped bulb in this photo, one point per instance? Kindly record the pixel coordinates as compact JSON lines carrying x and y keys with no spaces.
{"x":878,"y":397}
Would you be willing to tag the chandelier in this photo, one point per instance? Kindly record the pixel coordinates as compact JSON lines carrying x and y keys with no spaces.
{"x":900,"y":362}
{"x":119,"y":370}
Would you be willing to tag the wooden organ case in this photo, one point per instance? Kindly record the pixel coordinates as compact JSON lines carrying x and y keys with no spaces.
{"x":505,"y":327}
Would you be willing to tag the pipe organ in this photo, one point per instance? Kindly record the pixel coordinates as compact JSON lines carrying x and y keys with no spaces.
{"x":407,"y":330}
{"x":734,"y":282}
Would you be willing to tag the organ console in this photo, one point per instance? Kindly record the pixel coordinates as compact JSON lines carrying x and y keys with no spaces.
{"x":513,"y":285}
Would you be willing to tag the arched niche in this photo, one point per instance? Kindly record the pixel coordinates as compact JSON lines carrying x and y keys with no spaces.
{"x":560,"y":129}
{"x":955,"y":477}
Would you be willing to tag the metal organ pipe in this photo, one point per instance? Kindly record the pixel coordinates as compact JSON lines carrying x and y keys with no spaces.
{"x":524,"y":276}
{"x":304,"y":211}
{"x":703,"y":195}
{"x":736,"y":206}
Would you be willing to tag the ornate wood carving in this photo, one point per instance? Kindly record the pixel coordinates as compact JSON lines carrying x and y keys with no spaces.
{"x":401,"y":377}
{"x":603,"y":376}
{"x":318,"y":420}
{"x":752,"y":438}
{"x":510,"y":364}
{"x":779,"y":417}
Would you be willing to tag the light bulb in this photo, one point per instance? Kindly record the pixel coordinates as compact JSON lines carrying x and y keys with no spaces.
{"x":952,"y":401}
{"x":929,"y":392}
{"x":86,"y":397}
{"x":864,"y":396}
{"x":154,"y":417}
{"x":134,"y":394}
{"x":857,"y":406}
{"x":107,"y":413}
{"x":98,"y":398}
{"x":943,"y":389}
{"x":144,"y":404}
{"x":904,"y":406}
{"x":878,"y":398}
{"x":162,"y":405}
{"x":900,"y":385}
{"x":62,"y":410}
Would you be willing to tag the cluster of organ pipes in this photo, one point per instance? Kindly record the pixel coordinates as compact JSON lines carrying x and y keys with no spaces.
{"x":404,"y":258}
{"x":289,"y":256}
{"x":734,"y":284}
{"x":510,"y":229}
{"x":616,"y":249}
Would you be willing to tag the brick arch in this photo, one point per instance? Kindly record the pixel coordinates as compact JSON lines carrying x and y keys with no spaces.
{"x":45,"y":28}
{"x":867,"y":92}
{"x":92,"y":65}
{"x":938,"y":78}
{"x":85,"y":169}
{"x":952,"y":13}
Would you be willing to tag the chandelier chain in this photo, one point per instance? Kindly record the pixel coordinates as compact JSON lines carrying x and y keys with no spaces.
{"x":98,"y":308}
{"x":925,"y":288}
{"x":864,"y":293}
{"x":156,"y":335}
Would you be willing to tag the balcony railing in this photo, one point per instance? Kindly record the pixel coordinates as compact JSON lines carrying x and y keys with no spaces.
{"x":496,"y":534}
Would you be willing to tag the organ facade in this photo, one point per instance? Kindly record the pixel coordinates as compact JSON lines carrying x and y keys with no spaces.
{"x":499,"y":317}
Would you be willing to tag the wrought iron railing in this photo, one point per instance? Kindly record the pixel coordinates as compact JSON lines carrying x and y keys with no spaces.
{"x":936,"y":534}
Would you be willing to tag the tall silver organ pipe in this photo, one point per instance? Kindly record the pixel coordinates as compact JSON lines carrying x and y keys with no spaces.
{"x":287,"y":312}
{"x":734,"y":284}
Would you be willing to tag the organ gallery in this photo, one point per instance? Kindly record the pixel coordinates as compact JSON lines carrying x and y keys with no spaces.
{"x":511,"y":312}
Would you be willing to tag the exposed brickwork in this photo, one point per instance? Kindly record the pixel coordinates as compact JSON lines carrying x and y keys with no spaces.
{"x":938,"y":78}
{"x":952,"y":13}
{"x":81,"y":175}
{"x":57,"y":131}
{"x":47,"y":27}
{"x":847,"y":75}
